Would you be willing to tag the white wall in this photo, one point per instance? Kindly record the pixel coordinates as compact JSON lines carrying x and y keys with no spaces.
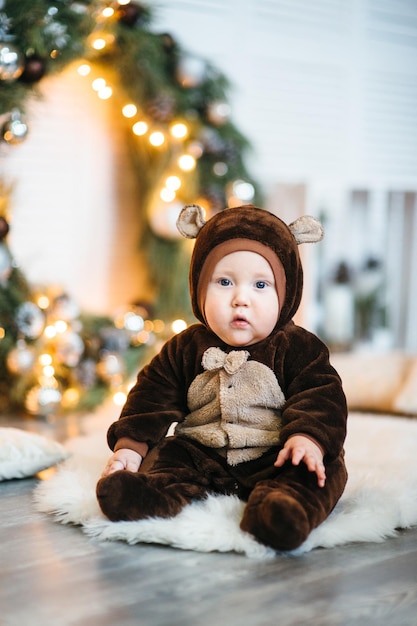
{"x":74,"y":222}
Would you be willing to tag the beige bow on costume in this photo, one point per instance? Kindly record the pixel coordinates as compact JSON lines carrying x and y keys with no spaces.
{"x":215,"y":359}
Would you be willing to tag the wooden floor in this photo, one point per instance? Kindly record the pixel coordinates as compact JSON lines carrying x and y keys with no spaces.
{"x":52,"y":574}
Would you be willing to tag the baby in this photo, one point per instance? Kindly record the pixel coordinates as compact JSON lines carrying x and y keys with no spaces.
{"x":260,"y":412}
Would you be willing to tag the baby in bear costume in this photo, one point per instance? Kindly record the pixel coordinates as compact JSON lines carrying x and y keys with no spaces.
{"x":260,"y":411}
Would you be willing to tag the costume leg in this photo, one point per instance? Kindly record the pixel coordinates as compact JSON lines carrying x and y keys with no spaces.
{"x":175,"y":473}
{"x":282,"y":511}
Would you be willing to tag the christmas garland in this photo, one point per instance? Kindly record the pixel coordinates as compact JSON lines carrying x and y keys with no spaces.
{"x":183,"y":145}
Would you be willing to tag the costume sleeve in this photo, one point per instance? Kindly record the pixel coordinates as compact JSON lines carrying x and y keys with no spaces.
{"x":156,"y":401}
{"x":315,"y":401}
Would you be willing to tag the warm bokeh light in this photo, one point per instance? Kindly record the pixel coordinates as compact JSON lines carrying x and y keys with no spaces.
{"x":187,"y":162}
{"x":105,"y":93}
{"x":129,"y":110}
{"x":173,"y":182}
{"x":43,"y":302}
{"x":140,"y":128}
{"x":107,"y":12}
{"x":45,"y":359}
{"x":61,"y":326}
{"x":178,"y":326}
{"x":157,"y":138}
{"x":98,"y":83}
{"x":119,"y":398}
{"x":50,"y":332}
{"x":179,"y":130}
{"x":167,"y":195}
{"x":99,"y":44}
{"x":84,"y":69}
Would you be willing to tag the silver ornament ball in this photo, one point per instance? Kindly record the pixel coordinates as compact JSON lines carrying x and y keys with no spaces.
{"x":11,"y":62}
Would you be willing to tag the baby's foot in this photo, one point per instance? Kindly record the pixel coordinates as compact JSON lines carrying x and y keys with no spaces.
{"x":277,"y":520}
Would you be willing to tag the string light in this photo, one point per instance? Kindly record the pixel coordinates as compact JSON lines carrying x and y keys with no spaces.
{"x":178,"y":326}
{"x":105,"y":93}
{"x":45,"y":359}
{"x":167,"y":195}
{"x":50,"y":332}
{"x":119,"y":398}
{"x":98,"y":83}
{"x":140,"y":128}
{"x":99,"y":44}
{"x":187,"y":162}
{"x":43,"y":302}
{"x":61,"y":326}
{"x":107,"y":12}
{"x":157,"y":138}
{"x":129,"y":110}
{"x":173,"y":182}
{"x":84,"y":69}
{"x":49,"y":371}
{"x":179,"y":130}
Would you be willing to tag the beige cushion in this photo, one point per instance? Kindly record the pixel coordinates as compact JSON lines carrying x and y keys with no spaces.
{"x":372,"y":381}
{"x":406,"y":399}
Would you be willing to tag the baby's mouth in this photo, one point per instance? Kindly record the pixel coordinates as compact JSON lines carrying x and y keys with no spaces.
{"x":239,"y":321}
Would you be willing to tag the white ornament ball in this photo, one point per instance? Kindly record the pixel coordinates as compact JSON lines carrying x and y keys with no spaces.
{"x":163,"y":218}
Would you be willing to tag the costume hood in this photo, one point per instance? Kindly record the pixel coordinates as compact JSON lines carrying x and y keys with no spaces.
{"x":248,"y":228}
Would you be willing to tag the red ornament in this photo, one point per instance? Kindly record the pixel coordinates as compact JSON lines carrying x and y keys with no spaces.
{"x":34,"y":69}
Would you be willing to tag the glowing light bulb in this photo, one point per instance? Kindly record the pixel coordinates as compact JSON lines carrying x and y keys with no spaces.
{"x":43,"y":302}
{"x":187,"y":162}
{"x":98,"y":83}
{"x":61,"y":326}
{"x":84,"y":69}
{"x":50,"y":332}
{"x":179,"y":130}
{"x":105,"y":93}
{"x":49,"y":371}
{"x":140,"y":128}
{"x":178,"y":326}
{"x":167,"y":195}
{"x":99,"y":43}
{"x":45,"y":359}
{"x":173,"y":182}
{"x":129,"y":110}
{"x":107,"y":12}
{"x":119,"y":398}
{"x":156,"y":138}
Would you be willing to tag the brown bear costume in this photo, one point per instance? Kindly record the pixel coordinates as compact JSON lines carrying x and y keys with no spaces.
{"x":235,"y":407}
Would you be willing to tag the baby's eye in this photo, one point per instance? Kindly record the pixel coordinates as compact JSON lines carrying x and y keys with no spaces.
{"x":261,"y":284}
{"x":224,"y":282}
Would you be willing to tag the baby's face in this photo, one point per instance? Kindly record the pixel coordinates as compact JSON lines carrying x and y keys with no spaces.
{"x":241,"y":304}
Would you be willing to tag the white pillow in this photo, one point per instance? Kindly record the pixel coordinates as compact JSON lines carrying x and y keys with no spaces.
{"x":24,"y":454}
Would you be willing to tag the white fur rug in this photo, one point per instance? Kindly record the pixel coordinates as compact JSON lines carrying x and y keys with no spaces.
{"x":380,"y":497}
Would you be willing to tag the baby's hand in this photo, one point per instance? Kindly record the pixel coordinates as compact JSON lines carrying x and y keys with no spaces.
{"x":123,"y":459}
{"x":299,"y":448}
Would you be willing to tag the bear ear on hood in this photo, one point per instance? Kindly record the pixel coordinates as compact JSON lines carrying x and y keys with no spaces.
{"x":190,"y":221}
{"x":306,"y":229}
